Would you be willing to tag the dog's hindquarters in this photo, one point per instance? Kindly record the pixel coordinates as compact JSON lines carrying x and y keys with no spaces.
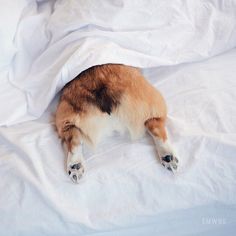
{"x":107,"y":98}
{"x":140,"y":102}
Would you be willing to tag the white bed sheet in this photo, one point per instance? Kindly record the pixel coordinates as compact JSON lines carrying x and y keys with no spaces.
{"x":126,"y":191}
{"x":44,"y":44}
{"x":56,"y":40}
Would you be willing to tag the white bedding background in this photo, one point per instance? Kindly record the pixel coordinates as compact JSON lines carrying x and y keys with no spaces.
{"x":44,"y":44}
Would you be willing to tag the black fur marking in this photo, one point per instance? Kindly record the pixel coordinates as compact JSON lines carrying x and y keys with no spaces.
{"x":104,"y":99}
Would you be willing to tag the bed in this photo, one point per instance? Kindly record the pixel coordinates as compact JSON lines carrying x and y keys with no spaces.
{"x":125,"y":190}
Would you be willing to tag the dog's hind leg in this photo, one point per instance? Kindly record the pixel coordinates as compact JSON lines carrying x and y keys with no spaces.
{"x":71,"y":137}
{"x":156,"y":128}
{"x":75,"y":160}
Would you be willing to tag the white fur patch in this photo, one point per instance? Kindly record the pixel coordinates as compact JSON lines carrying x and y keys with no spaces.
{"x":163,"y":148}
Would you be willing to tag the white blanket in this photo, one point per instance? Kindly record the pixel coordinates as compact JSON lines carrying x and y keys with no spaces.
{"x":56,"y":40}
{"x":125,"y":191}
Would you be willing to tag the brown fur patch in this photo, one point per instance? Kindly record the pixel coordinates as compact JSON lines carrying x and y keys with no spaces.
{"x":156,"y":126}
{"x":97,"y":85}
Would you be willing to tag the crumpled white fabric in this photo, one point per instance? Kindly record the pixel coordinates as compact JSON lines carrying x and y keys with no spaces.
{"x":56,"y":40}
{"x":125,"y":190}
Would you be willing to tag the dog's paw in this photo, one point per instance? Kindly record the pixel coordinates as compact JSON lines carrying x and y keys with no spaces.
{"x":170,"y":162}
{"x":75,"y":171}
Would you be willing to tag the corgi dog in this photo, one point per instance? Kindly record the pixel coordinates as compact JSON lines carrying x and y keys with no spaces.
{"x":105,"y":98}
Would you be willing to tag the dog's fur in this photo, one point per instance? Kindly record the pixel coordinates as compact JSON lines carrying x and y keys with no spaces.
{"x":105,"y":98}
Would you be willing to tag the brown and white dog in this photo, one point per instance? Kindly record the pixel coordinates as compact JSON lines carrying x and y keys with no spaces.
{"x":105,"y":98}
